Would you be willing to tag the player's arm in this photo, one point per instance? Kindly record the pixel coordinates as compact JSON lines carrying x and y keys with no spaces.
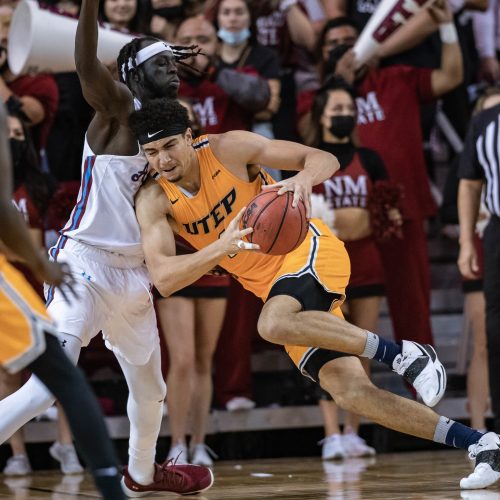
{"x":14,"y":233}
{"x":100,"y":90}
{"x":469,"y":199}
{"x":245,"y":148}
{"x":171,"y":272}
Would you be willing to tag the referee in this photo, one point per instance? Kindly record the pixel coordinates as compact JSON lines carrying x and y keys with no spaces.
{"x":480,"y":164}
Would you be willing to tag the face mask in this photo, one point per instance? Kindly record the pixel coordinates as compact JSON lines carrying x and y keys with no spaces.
{"x":233,"y":37}
{"x":342,"y":126}
{"x":18,"y":151}
{"x":170,"y":12}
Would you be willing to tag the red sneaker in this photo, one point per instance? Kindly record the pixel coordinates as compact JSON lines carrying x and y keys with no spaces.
{"x":183,"y":479}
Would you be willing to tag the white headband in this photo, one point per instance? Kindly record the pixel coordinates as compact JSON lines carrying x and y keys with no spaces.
{"x":146,"y":53}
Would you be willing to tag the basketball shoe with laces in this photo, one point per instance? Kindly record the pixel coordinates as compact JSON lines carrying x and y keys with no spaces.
{"x":487,"y":470}
{"x":181,"y":479}
{"x":419,"y":365}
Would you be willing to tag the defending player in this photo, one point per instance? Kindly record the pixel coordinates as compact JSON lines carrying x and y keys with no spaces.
{"x":199,"y":191}
{"x":101,"y":243}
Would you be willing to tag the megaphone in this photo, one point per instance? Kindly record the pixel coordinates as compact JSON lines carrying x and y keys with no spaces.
{"x":389,"y":16}
{"x":41,"y":41}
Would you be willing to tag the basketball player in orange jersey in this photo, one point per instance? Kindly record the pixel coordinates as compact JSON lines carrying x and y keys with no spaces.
{"x":199,"y":191}
{"x":27,"y":334}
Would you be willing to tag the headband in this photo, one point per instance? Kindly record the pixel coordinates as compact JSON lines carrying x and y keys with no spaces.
{"x":144,"y":54}
{"x":173,"y":129}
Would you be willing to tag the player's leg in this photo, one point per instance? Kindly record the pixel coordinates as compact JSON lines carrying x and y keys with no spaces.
{"x":209,"y":319}
{"x":147,"y":391}
{"x":177,"y":317}
{"x":55,"y":370}
{"x":311,"y":282}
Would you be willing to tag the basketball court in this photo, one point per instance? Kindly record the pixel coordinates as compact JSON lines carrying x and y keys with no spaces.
{"x":419,"y":475}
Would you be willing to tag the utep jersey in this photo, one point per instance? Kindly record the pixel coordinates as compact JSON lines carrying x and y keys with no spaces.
{"x":104,"y":214}
{"x":203,"y":217}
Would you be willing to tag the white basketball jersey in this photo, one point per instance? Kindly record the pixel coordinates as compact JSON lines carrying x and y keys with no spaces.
{"x":104,"y":215}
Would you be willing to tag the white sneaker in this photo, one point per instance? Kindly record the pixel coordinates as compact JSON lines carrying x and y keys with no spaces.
{"x":240,"y":403}
{"x":201,"y":454}
{"x":419,"y":365}
{"x":179,"y":454}
{"x":66,"y":455}
{"x":487,"y":471}
{"x":333,"y":448}
{"x":355,"y":446}
{"x":17,"y":465}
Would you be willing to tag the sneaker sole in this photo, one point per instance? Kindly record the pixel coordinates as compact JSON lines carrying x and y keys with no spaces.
{"x":441,"y":372}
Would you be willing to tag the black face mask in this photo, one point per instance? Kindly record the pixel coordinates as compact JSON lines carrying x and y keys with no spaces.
{"x":170,"y":13}
{"x":18,"y":150}
{"x":342,"y":126}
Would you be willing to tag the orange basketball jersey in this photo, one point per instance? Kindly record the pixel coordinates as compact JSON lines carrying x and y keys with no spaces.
{"x":203,"y":217}
{"x":23,"y":319}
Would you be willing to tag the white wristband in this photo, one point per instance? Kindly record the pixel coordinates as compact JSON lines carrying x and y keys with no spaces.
{"x":448,"y":33}
{"x":286,"y":4}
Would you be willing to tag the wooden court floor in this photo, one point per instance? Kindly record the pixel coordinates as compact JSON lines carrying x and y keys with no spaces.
{"x":420,"y":475}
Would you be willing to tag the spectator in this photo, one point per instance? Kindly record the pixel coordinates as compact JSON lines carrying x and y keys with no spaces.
{"x":223,"y":99}
{"x":32,"y":191}
{"x":479,"y":165}
{"x":123,"y":15}
{"x":34,"y":97}
{"x":343,"y":202}
{"x":393,"y":130}
{"x":239,"y":50}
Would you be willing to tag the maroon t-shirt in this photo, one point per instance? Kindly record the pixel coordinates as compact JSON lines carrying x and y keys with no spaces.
{"x":389,"y":123}
{"x":215,"y":110}
{"x":44,"y":89}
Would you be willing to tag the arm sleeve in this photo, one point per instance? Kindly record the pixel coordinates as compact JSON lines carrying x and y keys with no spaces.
{"x":469,"y":166}
{"x":483,"y":24}
{"x":373,"y":164}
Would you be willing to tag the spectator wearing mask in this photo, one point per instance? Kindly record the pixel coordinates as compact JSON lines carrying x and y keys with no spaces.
{"x":223,"y":99}
{"x":35,"y":98}
{"x":239,"y":50}
{"x":388,"y":103}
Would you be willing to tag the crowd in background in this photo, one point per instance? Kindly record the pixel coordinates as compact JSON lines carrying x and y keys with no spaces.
{"x":286,"y":69}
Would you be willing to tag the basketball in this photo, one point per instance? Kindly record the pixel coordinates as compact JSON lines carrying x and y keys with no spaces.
{"x":277,"y":227}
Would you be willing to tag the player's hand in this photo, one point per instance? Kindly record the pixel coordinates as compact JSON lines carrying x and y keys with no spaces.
{"x":467,"y":261}
{"x":301,"y":187}
{"x":489,"y":69}
{"x":232,"y":237}
{"x":57,"y":274}
{"x":440,"y":12}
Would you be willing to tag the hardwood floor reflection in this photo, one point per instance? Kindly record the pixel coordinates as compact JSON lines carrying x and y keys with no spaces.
{"x":422,"y":475}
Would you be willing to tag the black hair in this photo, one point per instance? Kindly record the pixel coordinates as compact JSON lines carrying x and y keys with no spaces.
{"x":157,"y":114}
{"x":39,"y":185}
{"x":334,"y":82}
{"x":129,"y":52}
{"x":331,"y":24}
{"x":253,"y":19}
{"x":137,"y":24}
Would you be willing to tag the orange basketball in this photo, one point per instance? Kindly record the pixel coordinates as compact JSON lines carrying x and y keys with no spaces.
{"x":277,"y":227}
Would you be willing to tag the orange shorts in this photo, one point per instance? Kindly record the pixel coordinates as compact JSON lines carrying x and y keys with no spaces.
{"x":316,"y":274}
{"x":23,"y":320}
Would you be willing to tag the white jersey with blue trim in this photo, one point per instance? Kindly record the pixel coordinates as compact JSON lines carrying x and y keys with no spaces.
{"x":104,"y":215}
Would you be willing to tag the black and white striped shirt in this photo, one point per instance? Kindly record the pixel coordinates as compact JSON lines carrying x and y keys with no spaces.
{"x":481,"y":155}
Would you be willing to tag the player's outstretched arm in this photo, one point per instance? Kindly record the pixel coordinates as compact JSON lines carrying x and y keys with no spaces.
{"x":14,"y":233}
{"x":168,"y":271}
{"x":100,"y":90}
{"x":246,"y":148}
